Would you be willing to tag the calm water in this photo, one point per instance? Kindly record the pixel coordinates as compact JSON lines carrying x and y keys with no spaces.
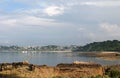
{"x":51,"y":59}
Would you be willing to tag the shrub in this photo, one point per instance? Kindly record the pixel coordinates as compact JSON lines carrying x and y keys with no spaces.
{"x":113,"y":73}
{"x":98,"y":76}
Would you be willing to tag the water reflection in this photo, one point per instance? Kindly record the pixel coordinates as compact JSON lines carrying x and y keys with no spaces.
{"x":52,"y":58}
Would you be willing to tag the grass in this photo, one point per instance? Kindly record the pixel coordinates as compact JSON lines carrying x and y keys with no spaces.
{"x":10,"y":76}
{"x":113,"y":73}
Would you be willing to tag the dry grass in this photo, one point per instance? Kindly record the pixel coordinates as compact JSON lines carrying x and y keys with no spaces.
{"x":23,"y":72}
{"x":60,"y":71}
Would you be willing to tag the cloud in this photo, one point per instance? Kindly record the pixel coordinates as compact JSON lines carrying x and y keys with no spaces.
{"x":36,"y":21}
{"x":81,"y":29}
{"x":111,"y":29}
{"x":29,"y":11}
{"x":101,"y":3}
{"x":8,"y":22}
{"x":11,"y":21}
{"x":59,"y":20}
{"x":54,"y":10}
{"x":31,"y":2}
{"x":44,"y":11}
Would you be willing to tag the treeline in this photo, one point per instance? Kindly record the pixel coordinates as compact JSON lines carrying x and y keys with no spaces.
{"x":100,"y":46}
{"x":36,"y":48}
{"x":10,"y":48}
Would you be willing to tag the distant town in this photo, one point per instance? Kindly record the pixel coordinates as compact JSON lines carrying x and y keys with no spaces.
{"x":37,"y":48}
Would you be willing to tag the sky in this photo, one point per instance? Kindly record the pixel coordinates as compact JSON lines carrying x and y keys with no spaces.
{"x":58,"y":22}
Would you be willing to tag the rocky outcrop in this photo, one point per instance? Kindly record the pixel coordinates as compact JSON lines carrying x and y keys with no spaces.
{"x":24,"y":69}
{"x":5,"y":66}
{"x":81,"y":70}
{"x":10,"y":66}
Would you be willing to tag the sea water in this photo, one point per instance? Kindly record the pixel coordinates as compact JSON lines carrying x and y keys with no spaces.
{"x":51,"y":58}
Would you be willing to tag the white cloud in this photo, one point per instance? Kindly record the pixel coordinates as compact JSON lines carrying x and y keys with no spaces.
{"x":81,"y":29}
{"x":29,"y":20}
{"x":49,"y":11}
{"x":111,"y":29}
{"x":8,"y":22}
{"x":36,"y":21}
{"x":102,"y":3}
{"x":54,"y":10}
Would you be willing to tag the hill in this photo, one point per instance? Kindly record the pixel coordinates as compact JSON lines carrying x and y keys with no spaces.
{"x":101,"y":46}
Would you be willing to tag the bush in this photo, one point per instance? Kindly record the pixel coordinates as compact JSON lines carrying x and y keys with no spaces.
{"x":9,"y":76}
{"x":97,"y":76}
{"x":113,"y":73}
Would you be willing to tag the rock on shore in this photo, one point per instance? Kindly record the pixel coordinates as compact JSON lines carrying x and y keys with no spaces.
{"x":73,"y":70}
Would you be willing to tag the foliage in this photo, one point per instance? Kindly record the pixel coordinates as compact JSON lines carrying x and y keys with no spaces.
{"x":113,"y":73}
{"x":97,"y":76}
{"x":101,"y":46}
{"x":10,"y":76}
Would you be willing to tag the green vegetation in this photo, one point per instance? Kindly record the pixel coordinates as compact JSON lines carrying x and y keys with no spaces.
{"x":101,"y":46}
{"x":10,"y":76}
{"x":97,"y":76}
{"x":113,"y":73}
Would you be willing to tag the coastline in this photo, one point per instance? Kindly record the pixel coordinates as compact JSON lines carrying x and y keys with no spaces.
{"x":103,"y":55}
{"x":62,"y":70}
{"x":57,"y":51}
{"x":36,"y":51}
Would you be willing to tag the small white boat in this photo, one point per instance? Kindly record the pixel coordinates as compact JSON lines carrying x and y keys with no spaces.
{"x":24,"y":51}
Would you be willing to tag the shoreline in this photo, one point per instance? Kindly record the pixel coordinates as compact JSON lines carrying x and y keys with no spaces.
{"x":64,"y":51}
{"x":103,"y":55}
{"x":34,"y":51}
{"x":76,"y":69}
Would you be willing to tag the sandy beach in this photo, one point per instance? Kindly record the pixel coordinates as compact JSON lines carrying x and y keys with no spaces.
{"x":104,"y":55}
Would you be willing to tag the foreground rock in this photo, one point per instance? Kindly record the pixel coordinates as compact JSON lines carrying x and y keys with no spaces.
{"x":73,"y":70}
{"x":80,"y":70}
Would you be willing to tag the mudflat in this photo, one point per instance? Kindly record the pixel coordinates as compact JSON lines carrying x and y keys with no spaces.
{"x":104,"y":55}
